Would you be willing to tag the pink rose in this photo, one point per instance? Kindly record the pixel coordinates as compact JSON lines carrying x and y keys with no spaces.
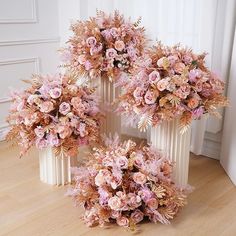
{"x":145,"y":194}
{"x":115,"y":203}
{"x":138,"y":93}
{"x":172,"y":59}
{"x":53,"y":140}
{"x":100,"y":178}
{"x":46,"y":107}
{"x":154,"y":77}
{"x":137,"y":216}
{"x":183,"y":91}
{"x":82,"y":130}
{"x":139,"y":178}
{"x":179,"y":67}
{"x":39,"y":131}
{"x":119,"y":45}
{"x":114,"y":32}
{"x":64,"y":108}
{"x":30,"y":119}
{"x":88,"y":65}
{"x":152,"y":203}
{"x":111,"y":53}
{"x":55,"y":93}
{"x":76,"y":102}
{"x":162,"y":84}
{"x":91,"y":41}
{"x":64,"y":131}
{"x":151,"y":97}
{"x":194,"y":74}
{"x":96,"y":49}
{"x":122,"y":221}
{"x":133,"y":200}
{"x":122,"y":162}
{"x":41,"y":143}
{"x":82,"y":59}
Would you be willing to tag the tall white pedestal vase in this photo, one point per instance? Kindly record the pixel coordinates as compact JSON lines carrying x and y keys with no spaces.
{"x":109,"y":93}
{"x":55,"y":170}
{"x":176,"y":145}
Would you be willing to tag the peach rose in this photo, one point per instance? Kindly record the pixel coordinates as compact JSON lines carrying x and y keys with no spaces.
{"x":119,"y":45}
{"x":122,"y":221}
{"x":179,"y":67}
{"x":162,"y":84}
{"x":46,"y":107}
{"x":193,"y":103}
{"x":139,"y":178}
{"x":115,"y":203}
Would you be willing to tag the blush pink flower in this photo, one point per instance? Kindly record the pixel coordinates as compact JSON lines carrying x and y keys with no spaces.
{"x":82,"y":130}
{"x":154,"y":77}
{"x":46,"y":107}
{"x":91,"y":41}
{"x":114,"y":32}
{"x":122,"y":162}
{"x":138,"y":92}
{"x":82,"y":59}
{"x":162,"y":84}
{"x":55,"y":93}
{"x":39,"y":131}
{"x":151,"y":97}
{"x":53,"y":140}
{"x":183,"y":91}
{"x":88,"y":65}
{"x":111,"y":53}
{"x":194,"y":74}
{"x":41,"y":143}
{"x":100,"y":178}
{"x":64,"y":131}
{"x":96,"y":49}
{"x":119,"y":45}
{"x":172,"y":59}
{"x":163,"y":62}
{"x":139,"y":178}
{"x":137,"y":216}
{"x":64,"y":108}
{"x":122,"y":221}
{"x":145,"y":194}
{"x":152,"y":203}
{"x":115,"y":203}
{"x":179,"y":67}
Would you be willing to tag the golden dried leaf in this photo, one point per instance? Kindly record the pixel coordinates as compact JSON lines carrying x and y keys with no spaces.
{"x":144,"y":122}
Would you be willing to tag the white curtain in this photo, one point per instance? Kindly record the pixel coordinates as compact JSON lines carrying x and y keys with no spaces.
{"x":204,"y":25}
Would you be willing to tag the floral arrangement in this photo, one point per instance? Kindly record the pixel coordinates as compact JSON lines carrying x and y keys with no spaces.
{"x":126,"y":183}
{"x":54,"y":112}
{"x":170,"y":82}
{"x":104,"y":46}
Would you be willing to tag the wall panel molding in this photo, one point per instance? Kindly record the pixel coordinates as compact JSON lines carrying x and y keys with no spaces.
{"x":29,"y":20}
{"x":29,"y":41}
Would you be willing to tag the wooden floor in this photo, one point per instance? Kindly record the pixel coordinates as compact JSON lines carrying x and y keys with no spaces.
{"x":29,"y":207}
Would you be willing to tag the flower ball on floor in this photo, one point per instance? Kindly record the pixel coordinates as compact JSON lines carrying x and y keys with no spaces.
{"x":126,"y":183}
{"x":104,"y":46}
{"x":170,"y":82}
{"x":54,"y":112}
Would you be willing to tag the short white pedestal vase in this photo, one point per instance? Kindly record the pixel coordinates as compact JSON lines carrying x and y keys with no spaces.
{"x":167,"y":137}
{"x":55,"y":170}
{"x":108,"y":93}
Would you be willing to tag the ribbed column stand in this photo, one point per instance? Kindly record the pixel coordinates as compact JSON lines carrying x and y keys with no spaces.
{"x":55,"y":170}
{"x":167,"y":137}
{"x":108,"y":93}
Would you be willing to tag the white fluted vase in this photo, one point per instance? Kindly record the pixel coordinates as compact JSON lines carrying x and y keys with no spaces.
{"x":167,"y":137}
{"x":109,"y":93}
{"x":55,"y":170}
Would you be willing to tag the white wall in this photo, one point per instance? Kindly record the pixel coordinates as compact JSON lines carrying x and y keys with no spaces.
{"x":228,"y":154}
{"x":29,"y":39}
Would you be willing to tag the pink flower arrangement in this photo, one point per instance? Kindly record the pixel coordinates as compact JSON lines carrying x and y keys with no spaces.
{"x":104,"y":46}
{"x":168,"y":83}
{"x":125,"y":183}
{"x":54,"y":112}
